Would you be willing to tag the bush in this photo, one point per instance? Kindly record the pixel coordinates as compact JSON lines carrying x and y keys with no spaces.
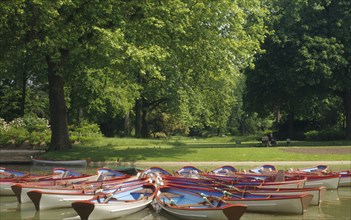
{"x":34,"y":131}
{"x":30,"y":130}
{"x":32,"y":123}
{"x":324,"y":135}
{"x":16,"y":136}
{"x":84,"y":131}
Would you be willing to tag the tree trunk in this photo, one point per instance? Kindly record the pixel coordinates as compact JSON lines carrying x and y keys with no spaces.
{"x":291,"y":129}
{"x":347,"y":106}
{"x":24,"y":91}
{"x":127,"y":125}
{"x":276,"y":117}
{"x":144,"y":126}
{"x":80,"y":115}
{"x":58,"y":111}
{"x":138,"y":123}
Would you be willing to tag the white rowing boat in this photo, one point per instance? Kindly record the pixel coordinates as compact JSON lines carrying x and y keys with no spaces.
{"x":60,"y":162}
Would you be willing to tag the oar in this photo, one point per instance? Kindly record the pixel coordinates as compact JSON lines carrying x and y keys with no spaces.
{"x":172,"y":202}
{"x":204,"y":197}
{"x":110,"y":195}
{"x":228,"y":186}
{"x":228,"y":193}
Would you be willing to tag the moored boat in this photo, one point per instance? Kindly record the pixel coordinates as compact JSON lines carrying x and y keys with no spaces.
{"x":315,"y":169}
{"x":68,"y":183}
{"x":345,"y":178}
{"x":292,"y":204}
{"x":224,"y":170}
{"x":188,"y":205}
{"x":57,"y":174}
{"x":9,"y":173}
{"x":117,"y":204}
{"x":316,"y":176}
{"x":317,"y":193}
{"x":59,"y":162}
{"x":63,"y":198}
{"x":188,"y":171}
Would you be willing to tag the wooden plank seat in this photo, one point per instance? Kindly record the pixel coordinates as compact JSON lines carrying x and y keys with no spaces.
{"x":169,"y":195}
{"x":144,"y":191}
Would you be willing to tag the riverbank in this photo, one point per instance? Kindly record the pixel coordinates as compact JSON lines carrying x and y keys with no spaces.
{"x":18,"y":156}
{"x":220,"y":163}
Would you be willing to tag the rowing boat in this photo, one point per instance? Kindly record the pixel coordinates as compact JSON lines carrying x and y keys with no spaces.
{"x":188,"y":205}
{"x":59,"y":162}
{"x":50,"y":199}
{"x":292,"y":204}
{"x":116,"y":205}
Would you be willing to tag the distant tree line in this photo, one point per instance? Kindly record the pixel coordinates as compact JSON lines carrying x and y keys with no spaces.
{"x":154,"y":69}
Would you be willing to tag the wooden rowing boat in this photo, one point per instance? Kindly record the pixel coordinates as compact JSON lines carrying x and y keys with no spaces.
{"x":188,"y":205}
{"x":59,"y":162}
{"x":292,"y":204}
{"x":116,"y":205}
{"x":63,"y":198}
{"x":104,"y":176}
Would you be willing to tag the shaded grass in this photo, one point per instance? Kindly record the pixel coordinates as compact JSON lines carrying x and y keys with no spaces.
{"x":194,"y":149}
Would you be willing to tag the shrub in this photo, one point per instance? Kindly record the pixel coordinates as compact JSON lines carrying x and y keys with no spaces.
{"x":324,"y":135}
{"x":311,"y":135}
{"x":32,"y":123}
{"x":29,"y":129}
{"x":15,"y":136}
{"x":84,"y":131}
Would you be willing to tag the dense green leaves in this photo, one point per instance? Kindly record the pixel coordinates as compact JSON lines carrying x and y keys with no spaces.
{"x":307,"y":61}
{"x":178,"y":61}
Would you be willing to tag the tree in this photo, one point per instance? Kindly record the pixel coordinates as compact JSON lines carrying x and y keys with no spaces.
{"x":60,"y":34}
{"x":182,"y":53}
{"x":305,"y":60}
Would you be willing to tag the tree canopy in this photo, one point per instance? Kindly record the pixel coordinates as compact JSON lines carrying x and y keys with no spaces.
{"x":183,"y":63}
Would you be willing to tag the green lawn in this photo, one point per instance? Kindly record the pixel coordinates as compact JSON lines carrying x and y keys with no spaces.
{"x":186,"y":149}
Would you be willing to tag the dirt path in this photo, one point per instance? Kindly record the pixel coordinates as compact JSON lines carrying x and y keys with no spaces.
{"x":319,"y":150}
{"x":221,"y":163}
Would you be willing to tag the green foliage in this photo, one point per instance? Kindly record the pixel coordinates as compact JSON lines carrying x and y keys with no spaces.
{"x":306,"y":62}
{"x":84,"y":131}
{"x":29,"y":130}
{"x":9,"y":104}
{"x":34,"y":124}
{"x":325,"y":135}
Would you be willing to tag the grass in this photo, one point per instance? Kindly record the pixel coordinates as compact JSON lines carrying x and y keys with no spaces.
{"x":195,"y":149}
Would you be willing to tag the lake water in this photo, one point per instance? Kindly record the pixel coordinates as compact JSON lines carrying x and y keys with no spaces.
{"x":336,"y":206}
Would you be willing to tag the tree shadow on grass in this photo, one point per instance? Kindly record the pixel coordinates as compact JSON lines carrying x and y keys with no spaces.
{"x":120,"y":154}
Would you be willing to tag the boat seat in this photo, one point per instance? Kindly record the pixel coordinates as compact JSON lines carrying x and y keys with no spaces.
{"x":192,"y":205}
{"x":280,"y":176}
{"x":65,"y":174}
{"x":101,"y":176}
{"x":169,"y":195}
{"x":144,"y":191}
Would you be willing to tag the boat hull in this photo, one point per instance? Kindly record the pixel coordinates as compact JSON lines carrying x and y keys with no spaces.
{"x":230,"y":213}
{"x":92,"y":211}
{"x":115,"y":205}
{"x":44,"y":201}
{"x":345,"y":179}
{"x":317,"y":193}
{"x":330,"y":182}
{"x":60,"y":163}
{"x":5,"y":189}
{"x":295,"y":205}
